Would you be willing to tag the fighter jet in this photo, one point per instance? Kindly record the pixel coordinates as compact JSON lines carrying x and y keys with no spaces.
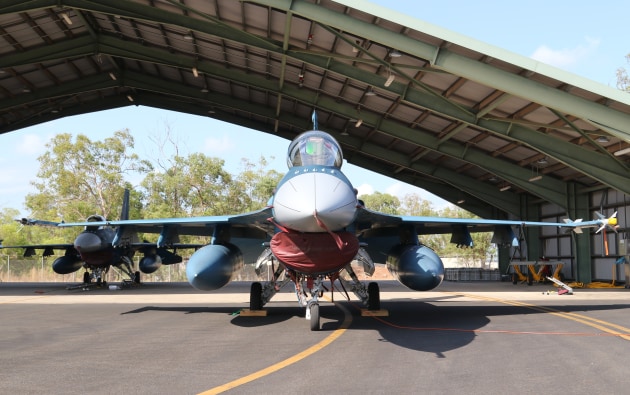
{"x":310,"y":233}
{"x":93,"y":249}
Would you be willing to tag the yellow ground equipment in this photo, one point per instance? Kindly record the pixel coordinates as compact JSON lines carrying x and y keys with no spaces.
{"x":535,"y":271}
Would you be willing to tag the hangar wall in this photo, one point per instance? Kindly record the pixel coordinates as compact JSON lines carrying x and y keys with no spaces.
{"x":603,"y":251}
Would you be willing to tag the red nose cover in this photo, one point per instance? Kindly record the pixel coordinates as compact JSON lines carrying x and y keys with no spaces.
{"x":314,"y":253}
{"x":97,"y":258}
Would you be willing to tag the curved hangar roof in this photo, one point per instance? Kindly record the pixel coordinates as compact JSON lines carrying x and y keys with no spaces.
{"x":406,"y":99}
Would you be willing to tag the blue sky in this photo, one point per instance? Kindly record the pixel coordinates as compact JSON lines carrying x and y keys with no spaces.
{"x":585,"y":38}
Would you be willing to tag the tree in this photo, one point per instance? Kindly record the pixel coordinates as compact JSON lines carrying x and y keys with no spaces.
{"x":10,"y":229}
{"x":413,"y":204}
{"x":623,"y":81}
{"x":14,"y":233}
{"x":383,"y":202}
{"x":84,"y":177}
{"x":193,"y":185}
{"x":482,"y":242}
{"x":257,"y":183}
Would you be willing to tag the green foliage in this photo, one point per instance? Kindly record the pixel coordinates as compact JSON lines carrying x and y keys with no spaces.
{"x":256,"y":183}
{"x":413,"y":204}
{"x":83,"y":177}
{"x":14,"y":233}
{"x":9,"y":228}
{"x":470,"y":257}
{"x":383,"y":202}
{"x":193,"y":185}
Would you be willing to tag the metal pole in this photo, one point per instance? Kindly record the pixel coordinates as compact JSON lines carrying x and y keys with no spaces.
{"x":8,"y":267}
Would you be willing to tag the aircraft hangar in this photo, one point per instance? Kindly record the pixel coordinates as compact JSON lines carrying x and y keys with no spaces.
{"x":498,"y":134}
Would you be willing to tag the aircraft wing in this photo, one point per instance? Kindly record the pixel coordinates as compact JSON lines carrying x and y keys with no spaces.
{"x":247,"y":230}
{"x":36,"y":222}
{"x":368,"y":219}
{"x":201,"y":226}
{"x":29,"y":250}
{"x":380,"y":231}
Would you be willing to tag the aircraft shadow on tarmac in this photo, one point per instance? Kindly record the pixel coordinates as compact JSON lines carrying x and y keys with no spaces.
{"x":426,"y":326}
{"x":280,"y":314}
{"x":438,"y":328}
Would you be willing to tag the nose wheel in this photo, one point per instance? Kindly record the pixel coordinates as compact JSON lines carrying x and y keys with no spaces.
{"x":312,"y":314}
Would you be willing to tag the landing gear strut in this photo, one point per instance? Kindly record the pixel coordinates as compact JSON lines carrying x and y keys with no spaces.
{"x":308,"y":290}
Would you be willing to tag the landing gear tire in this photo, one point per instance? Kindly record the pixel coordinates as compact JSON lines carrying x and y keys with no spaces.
{"x":136,"y":277}
{"x":374,"y":297}
{"x":255,"y":296}
{"x":86,"y":278}
{"x":314,"y":309}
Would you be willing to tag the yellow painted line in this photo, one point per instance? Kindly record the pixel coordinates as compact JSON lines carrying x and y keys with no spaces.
{"x":26,"y":298}
{"x":603,"y":326}
{"x":289,"y":361}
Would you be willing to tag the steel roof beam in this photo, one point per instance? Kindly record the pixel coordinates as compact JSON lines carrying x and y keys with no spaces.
{"x":515,"y":174}
{"x":617,"y":123}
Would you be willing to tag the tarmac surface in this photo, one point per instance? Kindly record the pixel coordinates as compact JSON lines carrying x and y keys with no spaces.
{"x":168,"y":338}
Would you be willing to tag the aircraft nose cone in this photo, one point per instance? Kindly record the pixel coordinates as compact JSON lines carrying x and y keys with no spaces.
{"x":88,"y":242}
{"x":305,"y":195}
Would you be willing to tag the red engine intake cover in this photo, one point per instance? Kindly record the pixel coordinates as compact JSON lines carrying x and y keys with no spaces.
{"x":314,"y":253}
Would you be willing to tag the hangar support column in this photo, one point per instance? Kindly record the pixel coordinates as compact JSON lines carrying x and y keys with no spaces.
{"x":531,"y":212}
{"x":529,"y":247}
{"x":581,"y":243}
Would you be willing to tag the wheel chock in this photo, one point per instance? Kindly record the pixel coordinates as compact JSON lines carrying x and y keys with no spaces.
{"x":374,"y":313}
{"x":253,"y":313}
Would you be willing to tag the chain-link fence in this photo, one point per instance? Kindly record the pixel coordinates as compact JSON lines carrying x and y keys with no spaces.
{"x":39,"y":269}
{"x":14,"y":268}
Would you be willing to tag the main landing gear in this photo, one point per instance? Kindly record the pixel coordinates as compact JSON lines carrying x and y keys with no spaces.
{"x":92,"y":277}
{"x":95,"y":276}
{"x":308,"y":291}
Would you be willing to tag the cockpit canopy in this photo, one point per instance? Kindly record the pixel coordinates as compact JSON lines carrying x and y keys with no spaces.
{"x":94,"y":218}
{"x":314,"y":148}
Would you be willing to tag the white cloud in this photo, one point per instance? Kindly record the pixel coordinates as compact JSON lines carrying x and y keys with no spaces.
{"x":30,"y":144}
{"x":566,"y":57}
{"x":399,"y":189}
{"x":365,"y":189}
{"x":218,"y":145}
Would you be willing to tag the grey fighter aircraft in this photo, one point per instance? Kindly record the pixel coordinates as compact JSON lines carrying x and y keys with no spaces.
{"x":100,"y":247}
